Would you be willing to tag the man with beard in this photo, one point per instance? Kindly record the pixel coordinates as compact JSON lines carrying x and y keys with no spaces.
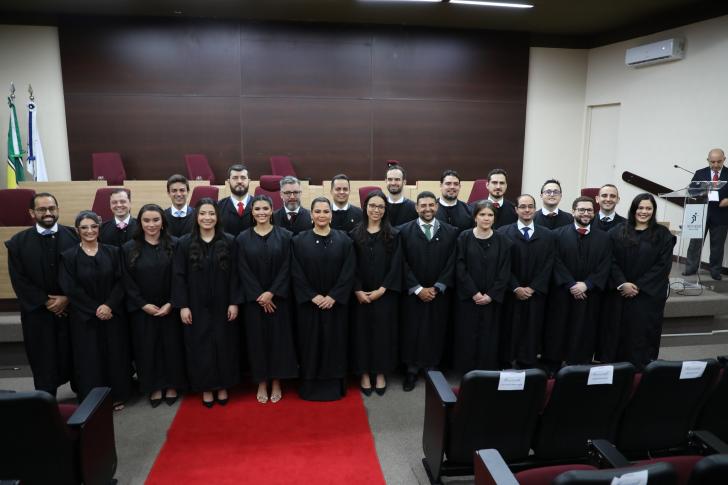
{"x":344,"y":216}
{"x":399,"y":208}
{"x":235,"y":210}
{"x":180,"y":216}
{"x":121,"y":228}
{"x":33,"y":262}
{"x":505,"y":211}
{"x":532,"y":259}
{"x":449,"y":209}
{"x":428,"y":250}
{"x":292,"y":216}
{"x":608,"y":200}
{"x":550,"y":215}
{"x":581,"y":270}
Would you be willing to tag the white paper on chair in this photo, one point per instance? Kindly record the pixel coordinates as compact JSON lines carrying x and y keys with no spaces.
{"x":634,"y":478}
{"x":713,"y":196}
{"x":512,"y":381}
{"x":692,"y":369}
{"x":600,"y":375}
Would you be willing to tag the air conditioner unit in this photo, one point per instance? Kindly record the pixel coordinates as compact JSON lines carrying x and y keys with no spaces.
{"x":655,"y":53}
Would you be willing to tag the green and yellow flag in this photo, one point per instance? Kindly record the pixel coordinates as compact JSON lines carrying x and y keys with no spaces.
{"x":15,"y":149}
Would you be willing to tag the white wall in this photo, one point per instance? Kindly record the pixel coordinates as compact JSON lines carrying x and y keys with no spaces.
{"x":31,"y":55}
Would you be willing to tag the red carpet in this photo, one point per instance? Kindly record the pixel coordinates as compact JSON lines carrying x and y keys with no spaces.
{"x":290,"y":442}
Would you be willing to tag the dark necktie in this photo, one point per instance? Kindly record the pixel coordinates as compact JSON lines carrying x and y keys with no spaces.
{"x":496,"y":205}
{"x":581,"y":231}
{"x":428,"y":231}
{"x":551,"y":214}
{"x":525,"y":233}
{"x":292,"y":217}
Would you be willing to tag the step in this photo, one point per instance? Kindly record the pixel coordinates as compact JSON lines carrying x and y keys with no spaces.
{"x":10,"y":329}
{"x":708,"y":303}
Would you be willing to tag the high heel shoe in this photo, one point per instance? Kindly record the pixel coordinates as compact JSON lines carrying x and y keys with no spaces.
{"x":367,"y":391}
{"x":155,"y":402}
{"x":170,"y":400}
{"x":221,"y":402}
{"x":381,"y":390}
{"x":208,"y":404}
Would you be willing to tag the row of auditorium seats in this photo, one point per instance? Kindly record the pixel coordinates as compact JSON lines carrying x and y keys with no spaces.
{"x":534,"y":421}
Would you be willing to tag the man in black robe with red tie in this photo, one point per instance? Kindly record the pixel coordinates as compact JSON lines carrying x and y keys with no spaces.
{"x":292,"y":216}
{"x":33,"y":262}
{"x":505,"y":211}
{"x":235,"y":210}
{"x":550,"y":216}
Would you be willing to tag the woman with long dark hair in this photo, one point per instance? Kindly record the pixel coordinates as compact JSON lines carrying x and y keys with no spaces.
{"x":377,"y":285}
{"x":323,"y":266}
{"x":205,"y":290}
{"x":90,"y":276}
{"x":156,"y":329}
{"x":633,"y":312}
{"x":264,"y":268}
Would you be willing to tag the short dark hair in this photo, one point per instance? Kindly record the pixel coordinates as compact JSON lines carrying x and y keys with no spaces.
{"x":120,"y":190}
{"x":238,"y":167}
{"x":551,"y":181}
{"x":340,"y":176}
{"x":584,"y":198}
{"x":86,"y":215}
{"x":177,"y":179}
{"x":425,"y":194}
{"x":396,"y":167}
{"x":480,"y":205}
{"x":261,"y":198}
{"x":42,"y":194}
{"x":321,"y":199}
{"x":525,"y":195}
{"x":497,"y":171}
{"x":449,"y":173}
{"x":609,"y":185}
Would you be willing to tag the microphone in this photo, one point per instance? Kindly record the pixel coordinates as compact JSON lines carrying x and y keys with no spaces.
{"x":684,"y":169}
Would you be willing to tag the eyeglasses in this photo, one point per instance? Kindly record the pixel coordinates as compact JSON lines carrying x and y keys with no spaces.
{"x":552,"y":192}
{"x":524,"y":206}
{"x":289,"y":193}
{"x":43,"y":210}
{"x":581,"y":210}
{"x":376,"y":207}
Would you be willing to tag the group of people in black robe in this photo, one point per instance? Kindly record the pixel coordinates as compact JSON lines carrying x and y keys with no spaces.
{"x":192,"y":299}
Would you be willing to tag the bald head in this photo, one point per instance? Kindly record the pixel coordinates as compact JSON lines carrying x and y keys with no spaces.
{"x":716,"y":159}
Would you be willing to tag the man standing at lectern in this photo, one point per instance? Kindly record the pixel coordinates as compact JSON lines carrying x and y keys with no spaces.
{"x":716,"y":222}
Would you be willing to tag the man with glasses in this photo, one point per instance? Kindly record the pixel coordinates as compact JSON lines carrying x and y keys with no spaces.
{"x":608,"y":200}
{"x":292,"y":216}
{"x":449,"y":208}
{"x":581,"y":270}
{"x":120,"y":228}
{"x":33,"y":262}
{"x":550,"y":215}
{"x":532,"y":259}
{"x":235,"y":210}
{"x":344,"y":216}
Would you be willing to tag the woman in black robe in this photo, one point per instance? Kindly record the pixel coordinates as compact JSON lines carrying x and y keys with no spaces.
{"x":323,"y":267}
{"x":264,"y":268}
{"x":90,"y":277}
{"x":156,"y":330}
{"x":377,"y":286}
{"x":634,"y":308}
{"x":205,"y":289}
{"x":482,"y":271}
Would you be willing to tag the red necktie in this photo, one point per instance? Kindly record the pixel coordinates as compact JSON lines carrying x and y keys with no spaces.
{"x":241,"y":208}
{"x":581,"y":231}
{"x":715,"y":179}
{"x":496,"y":205}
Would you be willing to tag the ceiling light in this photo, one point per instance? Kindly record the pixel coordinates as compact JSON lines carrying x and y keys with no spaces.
{"x":492,"y":4}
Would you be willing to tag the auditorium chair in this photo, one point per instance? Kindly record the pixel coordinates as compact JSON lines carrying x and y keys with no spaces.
{"x":281,"y":165}
{"x":101,"y":205}
{"x":592,"y":192}
{"x":39,"y":446}
{"x":108,"y":166}
{"x":202,"y":191}
{"x":15,"y":204}
{"x":198,"y":168}
{"x":479,"y":192}
{"x":270,"y":185}
{"x":480,"y":416}
{"x":714,"y":415}
{"x":711,"y":470}
{"x":364,"y":191}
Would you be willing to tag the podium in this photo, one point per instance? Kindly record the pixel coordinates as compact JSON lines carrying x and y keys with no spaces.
{"x":694,"y":200}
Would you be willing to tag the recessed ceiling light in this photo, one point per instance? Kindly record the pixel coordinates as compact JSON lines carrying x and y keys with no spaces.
{"x":492,"y":4}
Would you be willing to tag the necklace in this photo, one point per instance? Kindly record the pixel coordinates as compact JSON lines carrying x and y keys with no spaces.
{"x":89,"y":251}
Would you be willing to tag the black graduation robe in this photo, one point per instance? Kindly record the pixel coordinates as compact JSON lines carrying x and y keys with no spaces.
{"x":157,"y":341}
{"x":303,"y":220}
{"x":608,"y":226}
{"x":232,"y":223}
{"x":264,"y":264}
{"x":179,"y":226}
{"x":559,"y":220}
{"x":101,"y":353}
{"x":401,"y":213}
{"x":571,"y":327}
{"x":630,"y":328}
{"x":532,"y":263}
{"x":212,"y":344}
{"x":483,"y":265}
{"x":322,"y":265}
{"x":459,"y":215}
{"x":346,"y":220}
{"x":33,"y":264}
{"x":424,"y":325}
{"x":110,"y":234}
{"x":375,"y":325}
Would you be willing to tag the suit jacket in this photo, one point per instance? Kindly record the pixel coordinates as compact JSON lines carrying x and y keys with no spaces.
{"x":717,"y":216}
{"x":231,"y":221}
{"x":607,"y":226}
{"x":110,"y":234}
{"x":303,"y":221}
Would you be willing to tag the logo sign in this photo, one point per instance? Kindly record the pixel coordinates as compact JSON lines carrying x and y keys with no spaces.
{"x":692,"y":225}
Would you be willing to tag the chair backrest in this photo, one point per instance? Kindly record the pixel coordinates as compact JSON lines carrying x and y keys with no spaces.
{"x":665,"y":406}
{"x":364,"y":191}
{"x":578,"y":410}
{"x":202,"y":191}
{"x":713,"y":416}
{"x":592,"y":192}
{"x":711,"y":470}
{"x":36,"y":445}
{"x":101,"y":205}
{"x":657,"y":474}
{"x":198,"y":168}
{"x":486,"y":417}
{"x":15,"y":204}
{"x":108,"y":166}
{"x":270,"y":186}
{"x":479,"y":192}
{"x":281,"y":165}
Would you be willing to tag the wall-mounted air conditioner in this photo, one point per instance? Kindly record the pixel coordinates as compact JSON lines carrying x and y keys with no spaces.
{"x":655,"y":53}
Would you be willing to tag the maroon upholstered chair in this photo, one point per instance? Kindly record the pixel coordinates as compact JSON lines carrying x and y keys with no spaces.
{"x":108,"y":166}
{"x":15,"y":204}
{"x":202,"y":191}
{"x":479,"y":192}
{"x":198,"y":168}
{"x":592,"y":192}
{"x":364,"y":191}
{"x":281,"y":165}
{"x":270,"y":185}
{"x":101,"y":204}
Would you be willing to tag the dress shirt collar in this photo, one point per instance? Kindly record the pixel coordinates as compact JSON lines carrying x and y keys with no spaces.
{"x":336,"y":208}
{"x":125,"y":221}
{"x":434,"y":223}
{"x":546,"y":212}
{"x":400,"y":201}
{"x":296,"y":211}
{"x":531,"y":226}
{"x":588,"y":228}
{"x":602,"y":215}
{"x":445,"y":203}
{"x":182,"y":212}
{"x":42,"y":229}
{"x":496,"y":201}
{"x":245,"y":200}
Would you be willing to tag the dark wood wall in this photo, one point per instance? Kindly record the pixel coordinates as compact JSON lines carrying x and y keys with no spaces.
{"x":334,"y":98}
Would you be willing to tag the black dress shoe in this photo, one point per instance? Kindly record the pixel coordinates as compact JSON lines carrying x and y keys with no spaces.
{"x":221,"y":402}
{"x":367,"y":391}
{"x":171,"y":400}
{"x":155,"y":402}
{"x":688,"y":273}
{"x":409,"y":382}
{"x":716,"y":275}
{"x":381,"y":390}
{"x":208,"y":404}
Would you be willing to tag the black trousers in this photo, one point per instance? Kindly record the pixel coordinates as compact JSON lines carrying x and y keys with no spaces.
{"x":717,"y":245}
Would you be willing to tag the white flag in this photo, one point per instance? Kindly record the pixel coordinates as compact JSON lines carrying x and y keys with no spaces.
{"x":36,"y":161}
